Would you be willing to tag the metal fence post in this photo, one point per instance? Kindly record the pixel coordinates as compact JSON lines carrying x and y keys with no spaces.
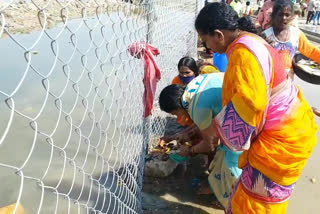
{"x":146,"y":120}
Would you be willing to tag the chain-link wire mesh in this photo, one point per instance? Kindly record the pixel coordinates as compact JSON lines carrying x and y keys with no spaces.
{"x":72,"y":133}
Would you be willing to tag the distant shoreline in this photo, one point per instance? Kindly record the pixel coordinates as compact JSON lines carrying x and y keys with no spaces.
{"x":24,"y":17}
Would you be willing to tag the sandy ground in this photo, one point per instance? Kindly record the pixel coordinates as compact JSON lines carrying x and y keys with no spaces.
{"x":175,"y":194}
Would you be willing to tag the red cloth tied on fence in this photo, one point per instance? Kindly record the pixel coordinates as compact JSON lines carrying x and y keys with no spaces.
{"x":151,"y":71}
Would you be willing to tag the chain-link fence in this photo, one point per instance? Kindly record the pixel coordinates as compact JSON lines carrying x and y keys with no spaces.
{"x":72,"y":132}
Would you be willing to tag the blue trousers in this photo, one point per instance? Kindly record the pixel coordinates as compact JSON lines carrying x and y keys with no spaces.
{"x":316,"y":17}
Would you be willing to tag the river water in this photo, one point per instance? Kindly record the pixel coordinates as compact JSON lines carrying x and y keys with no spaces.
{"x":77,"y":97}
{"x":92,"y":101}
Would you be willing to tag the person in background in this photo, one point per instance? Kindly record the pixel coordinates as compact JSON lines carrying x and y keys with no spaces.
{"x":259,"y":4}
{"x":311,"y":11}
{"x":220,"y":61}
{"x":247,"y":10}
{"x":303,"y":7}
{"x":316,"y":16}
{"x":288,"y":39}
{"x":295,"y":18}
{"x":237,"y":6}
{"x":206,"y":67}
{"x":263,"y":20}
{"x":263,"y":114}
{"x":188,"y":70}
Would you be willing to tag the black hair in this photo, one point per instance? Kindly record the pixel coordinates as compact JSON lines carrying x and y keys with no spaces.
{"x":170,"y":98}
{"x":246,"y":24}
{"x":190,"y":63}
{"x":247,"y":3}
{"x":279,"y":5}
{"x":221,"y":16}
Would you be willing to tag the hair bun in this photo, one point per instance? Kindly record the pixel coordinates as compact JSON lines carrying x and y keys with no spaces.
{"x":245,"y":23}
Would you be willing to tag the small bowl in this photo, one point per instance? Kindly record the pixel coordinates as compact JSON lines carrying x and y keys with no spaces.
{"x":310,"y":77}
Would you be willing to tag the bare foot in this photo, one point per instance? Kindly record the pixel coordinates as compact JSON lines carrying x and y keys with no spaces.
{"x":316,"y":111}
{"x":204,"y":189}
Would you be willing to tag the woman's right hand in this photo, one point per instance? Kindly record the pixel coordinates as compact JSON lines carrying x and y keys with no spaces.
{"x":162,"y":141}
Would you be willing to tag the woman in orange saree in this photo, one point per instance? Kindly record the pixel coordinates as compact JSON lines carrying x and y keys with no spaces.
{"x":264,"y":114}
